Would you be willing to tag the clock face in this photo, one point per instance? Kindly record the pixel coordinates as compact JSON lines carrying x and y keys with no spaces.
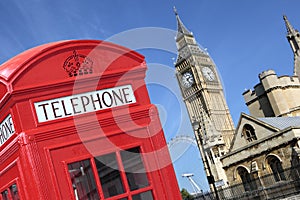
{"x":187,"y":79}
{"x":208,"y":73}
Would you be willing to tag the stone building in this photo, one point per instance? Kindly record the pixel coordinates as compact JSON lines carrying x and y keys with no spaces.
{"x":262,"y":146}
{"x":274,"y":96}
{"x":259,"y":157}
{"x":265,"y":149}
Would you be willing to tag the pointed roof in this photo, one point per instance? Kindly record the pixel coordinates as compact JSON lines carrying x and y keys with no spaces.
{"x":290,"y":29}
{"x":272,"y":125}
{"x":181,"y":29}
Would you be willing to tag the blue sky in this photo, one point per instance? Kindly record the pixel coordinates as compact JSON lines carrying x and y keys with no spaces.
{"x":244,"y":38}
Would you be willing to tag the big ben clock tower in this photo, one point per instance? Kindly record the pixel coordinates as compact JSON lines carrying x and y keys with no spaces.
{"x":202,"y":92}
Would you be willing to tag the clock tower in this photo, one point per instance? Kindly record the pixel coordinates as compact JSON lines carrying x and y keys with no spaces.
{"x":202,"y":92}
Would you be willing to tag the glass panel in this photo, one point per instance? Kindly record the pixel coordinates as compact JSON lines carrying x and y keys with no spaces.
{"x":134,"y":168}
{"x":14,"y":192}
{"x":143,"y":196}
{"x":109,"y":174}
{"x":4,"y":195}
{"x":83,"y":180}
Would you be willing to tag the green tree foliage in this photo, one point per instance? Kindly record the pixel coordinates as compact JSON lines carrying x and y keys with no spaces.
{"x":185,"y":194}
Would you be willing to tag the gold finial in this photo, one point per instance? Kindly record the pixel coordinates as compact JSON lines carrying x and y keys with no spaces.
{"x":175,"y":10}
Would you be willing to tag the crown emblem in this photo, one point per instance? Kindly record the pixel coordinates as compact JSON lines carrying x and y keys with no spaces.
{"x":78,"y":64}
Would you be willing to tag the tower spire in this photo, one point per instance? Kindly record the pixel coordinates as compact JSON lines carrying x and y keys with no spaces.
{"x":293,"y":37}
{"x":175,"y":10}
{"x":181,"y":29}
{"x":290,"y":29}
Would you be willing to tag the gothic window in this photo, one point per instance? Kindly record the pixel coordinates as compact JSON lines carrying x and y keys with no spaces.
{"x":295,"y":163}
{"x":210,"y":157}
{"x":190,"y":41}
{"x":215,"y":149}
{"x":245,"y":178}
{"x":181,"y":44}
{"x":249,"y":133}
{"x":276,"y":168}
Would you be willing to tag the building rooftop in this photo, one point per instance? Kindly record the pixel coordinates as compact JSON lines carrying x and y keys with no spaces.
{"x":282,"y":122}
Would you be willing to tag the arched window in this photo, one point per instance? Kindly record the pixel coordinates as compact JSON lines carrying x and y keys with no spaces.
{"x":246,"y":179}
{"x":276,"y":168}
{"x":249,"y":133}
{"x":295,"y":164}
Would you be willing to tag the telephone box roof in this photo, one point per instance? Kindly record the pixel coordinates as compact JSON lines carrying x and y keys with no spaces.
{"x":15,"y":64}
{"x":18,"y":67}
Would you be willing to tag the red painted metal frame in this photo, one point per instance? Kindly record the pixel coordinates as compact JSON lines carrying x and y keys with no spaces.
{"x":36,"y":156}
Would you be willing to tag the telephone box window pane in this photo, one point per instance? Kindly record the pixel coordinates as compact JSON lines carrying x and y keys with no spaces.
{"x":4,"y":195}
{"x":14,"y":192}
{"x":134,"y":168}
{"x":145,"y":195}
{"x":83,"y":180}
{"x":109,"y":174}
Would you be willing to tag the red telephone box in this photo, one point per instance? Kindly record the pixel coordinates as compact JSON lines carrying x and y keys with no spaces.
{"x":76,"y":123}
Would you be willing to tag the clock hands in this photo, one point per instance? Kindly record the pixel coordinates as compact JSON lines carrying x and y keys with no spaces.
{"x":208,"y":73}
{"x":211,"y":76}
{"x":187,"y":79}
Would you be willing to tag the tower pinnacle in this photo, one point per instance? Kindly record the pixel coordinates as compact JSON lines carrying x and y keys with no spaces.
{"x":293,"y":37}
{"x":181,"y":29}
{"x":175,"y":10}
{"x":290,"y":29}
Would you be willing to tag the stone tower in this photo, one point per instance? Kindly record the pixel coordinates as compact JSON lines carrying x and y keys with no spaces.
{"x":203,"y":95}
{"x":274,"y":96}
{"x":293,"y":37}
{"x":277,"y":96}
